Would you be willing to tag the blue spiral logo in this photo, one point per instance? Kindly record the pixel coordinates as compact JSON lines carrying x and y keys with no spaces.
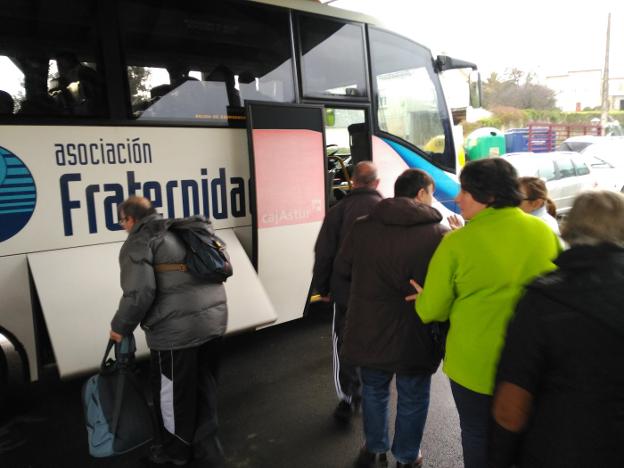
{"x":18,"y":194}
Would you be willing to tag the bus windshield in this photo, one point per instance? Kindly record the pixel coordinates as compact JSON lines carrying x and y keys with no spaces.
{"x":409,"y":98}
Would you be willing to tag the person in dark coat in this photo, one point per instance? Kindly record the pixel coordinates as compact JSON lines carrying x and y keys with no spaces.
{"x":359,"y":202}
{"x":184,"y":319}
{"x":383,"y":336}
{"x":559,"y":400}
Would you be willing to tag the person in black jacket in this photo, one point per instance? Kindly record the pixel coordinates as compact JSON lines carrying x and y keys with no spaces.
{"x":559,"y":401}
{"x":362,"y":198}
{"x":383,"y":335}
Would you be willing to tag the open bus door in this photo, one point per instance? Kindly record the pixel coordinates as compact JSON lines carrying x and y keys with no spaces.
{"x":288,"y":171}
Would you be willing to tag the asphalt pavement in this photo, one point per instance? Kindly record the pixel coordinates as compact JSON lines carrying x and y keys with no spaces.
{"x":276,"y":397}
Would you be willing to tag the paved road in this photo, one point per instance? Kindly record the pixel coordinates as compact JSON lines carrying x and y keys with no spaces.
{"x":276,"y":397}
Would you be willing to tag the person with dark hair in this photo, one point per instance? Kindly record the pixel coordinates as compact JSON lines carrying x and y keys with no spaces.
{"x":359,"y":202}
{"x":7,"y":104}
{"x":559,"y":401}
{"x":382,"y":334}
{"x":474,"y":280}
{"x":184,"y":319}
{"x":226,"y":75}
{"x":81,"y":87}
{"x":535,"y":201}
{"x":37,"y":101}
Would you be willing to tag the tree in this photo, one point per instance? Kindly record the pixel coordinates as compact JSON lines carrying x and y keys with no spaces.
{"x":517,"y":89}
{"x":138,"y":77}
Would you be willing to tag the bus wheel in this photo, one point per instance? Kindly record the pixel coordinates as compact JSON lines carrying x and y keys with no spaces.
{"x":13,"y":371}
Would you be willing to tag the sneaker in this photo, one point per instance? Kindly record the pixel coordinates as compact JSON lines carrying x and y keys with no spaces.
{"x":416,"y":464}
{"x":368,"y":459}
{"x":158,"y":456}
{"x":343,"y":412}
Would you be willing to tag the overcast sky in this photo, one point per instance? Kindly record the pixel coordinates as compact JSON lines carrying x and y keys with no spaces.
{"x":548,"y":37}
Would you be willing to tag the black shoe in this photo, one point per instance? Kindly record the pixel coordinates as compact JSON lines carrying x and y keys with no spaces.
{"x":368,"y":459}
{"x":210,"y":451}
{"x":343,"y":412}
{"x":356,"y":404}
{"x":158,"y":456}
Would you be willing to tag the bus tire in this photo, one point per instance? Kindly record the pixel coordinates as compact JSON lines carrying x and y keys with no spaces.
{"x":13,"y":370}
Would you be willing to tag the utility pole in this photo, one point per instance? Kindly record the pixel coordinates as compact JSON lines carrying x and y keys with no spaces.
{"x":605,"y":82}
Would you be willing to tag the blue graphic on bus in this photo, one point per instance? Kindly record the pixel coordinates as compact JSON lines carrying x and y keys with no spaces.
{"x":446,"y":189}
{"x":18,"y":194}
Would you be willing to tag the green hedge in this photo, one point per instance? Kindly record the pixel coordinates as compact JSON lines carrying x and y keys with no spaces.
{"x":508,"y":117}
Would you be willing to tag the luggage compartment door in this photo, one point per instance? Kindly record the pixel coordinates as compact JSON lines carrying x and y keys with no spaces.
{"x":79,"y":293}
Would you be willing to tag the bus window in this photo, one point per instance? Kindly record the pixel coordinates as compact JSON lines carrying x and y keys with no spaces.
{"x":332,"y":62}
{"x":200,"y":62}
{"x":48,"y":60}
{"x":408,"y":95}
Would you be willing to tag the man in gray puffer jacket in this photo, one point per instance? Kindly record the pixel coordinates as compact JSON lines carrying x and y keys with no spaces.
{"x":184,"y":319}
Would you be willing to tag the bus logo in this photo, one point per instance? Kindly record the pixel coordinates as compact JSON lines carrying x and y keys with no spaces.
{"x":18,"y":194}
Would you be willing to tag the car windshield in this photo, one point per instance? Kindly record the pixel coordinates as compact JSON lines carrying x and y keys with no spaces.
{"x":577,"y":146}
{"x":612,"y":152}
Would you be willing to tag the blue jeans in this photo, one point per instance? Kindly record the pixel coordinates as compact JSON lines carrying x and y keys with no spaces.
{"x":474,"y":419}
{"x":412,"y":406}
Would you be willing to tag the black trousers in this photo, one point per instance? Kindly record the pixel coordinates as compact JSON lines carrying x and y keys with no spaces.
{"x":184,"y":387}
{"x":475,"y":412}
{"x":346,"y":377}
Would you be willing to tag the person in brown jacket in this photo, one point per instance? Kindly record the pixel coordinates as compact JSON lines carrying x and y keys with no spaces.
{"x":383,"y":336}
{"x":359,"y":202}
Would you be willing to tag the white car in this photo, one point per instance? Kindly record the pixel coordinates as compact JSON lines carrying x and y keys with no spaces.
{"x":566,"y":174}
{"x":606,"y":159}
{"x":579,"y":143}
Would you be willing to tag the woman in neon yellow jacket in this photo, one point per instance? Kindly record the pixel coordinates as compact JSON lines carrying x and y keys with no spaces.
{"x":475,"y":278}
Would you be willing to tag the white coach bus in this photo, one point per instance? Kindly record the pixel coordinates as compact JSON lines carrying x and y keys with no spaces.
{"x":249,"y":112}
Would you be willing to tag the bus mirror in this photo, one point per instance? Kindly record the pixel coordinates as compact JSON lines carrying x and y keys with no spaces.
{"x":474,"y":83}
{"x":444,"y":62}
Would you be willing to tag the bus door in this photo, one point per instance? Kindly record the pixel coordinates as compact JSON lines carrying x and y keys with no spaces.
{"x":288,"y":167}
{"x":347,"y":142}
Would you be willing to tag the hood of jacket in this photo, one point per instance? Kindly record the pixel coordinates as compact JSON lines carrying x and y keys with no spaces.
{"x":402,"y":211}
{"x":151,"y":225}
{"x":590,"y":279}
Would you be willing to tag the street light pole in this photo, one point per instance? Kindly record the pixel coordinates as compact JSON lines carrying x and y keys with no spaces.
{"x":605,"y":82}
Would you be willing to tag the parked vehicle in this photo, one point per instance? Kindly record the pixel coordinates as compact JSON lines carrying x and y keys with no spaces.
{"x":606,"y":159}
{"x":579,"y":143}
{"x":566,"y":174}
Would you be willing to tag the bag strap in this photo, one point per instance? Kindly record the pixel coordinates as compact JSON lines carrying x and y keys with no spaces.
{"x":119,"y":389}
{"x":109,"y":346}
{"x":166,"y":267}
{"x":121,"y":381}
{"x":124,"y":354}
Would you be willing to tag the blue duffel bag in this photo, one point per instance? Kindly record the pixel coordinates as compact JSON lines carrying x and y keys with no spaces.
{"x":117,"y":416}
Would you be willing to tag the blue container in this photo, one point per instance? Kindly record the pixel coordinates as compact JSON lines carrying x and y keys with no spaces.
{"x":517,"y":140}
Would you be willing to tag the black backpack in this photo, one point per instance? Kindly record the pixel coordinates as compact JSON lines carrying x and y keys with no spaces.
{"x":206,"y":257}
